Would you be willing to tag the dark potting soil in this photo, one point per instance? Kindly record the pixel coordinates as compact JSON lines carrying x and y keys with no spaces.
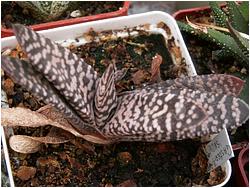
{"x":12,"y":13}
{"x":179,"y":163}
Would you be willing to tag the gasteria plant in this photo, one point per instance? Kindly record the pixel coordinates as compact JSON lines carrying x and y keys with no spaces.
{"x":84,"y":105}
{"x":228,"y":33}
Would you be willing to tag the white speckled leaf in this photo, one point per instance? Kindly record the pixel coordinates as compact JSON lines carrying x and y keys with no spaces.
{"x":25,"y":75}
{"x":105,"y":98}
{"x":174,"y":114}
{"x":68,"y":73}
{"x":216,"y":83}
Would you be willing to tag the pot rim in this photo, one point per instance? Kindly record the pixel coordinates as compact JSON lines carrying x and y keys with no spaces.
{"x":54,"y":24}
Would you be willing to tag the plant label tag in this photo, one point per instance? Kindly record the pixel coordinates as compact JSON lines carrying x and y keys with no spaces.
{"x":219,"y":150}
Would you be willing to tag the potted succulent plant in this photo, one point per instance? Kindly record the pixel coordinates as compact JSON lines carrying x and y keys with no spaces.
{"x":223,"y":33}
{"x":111,"y":97}
{"x":42,"y":15}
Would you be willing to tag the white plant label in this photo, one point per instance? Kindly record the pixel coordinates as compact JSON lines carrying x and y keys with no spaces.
{"x":219,"y":150}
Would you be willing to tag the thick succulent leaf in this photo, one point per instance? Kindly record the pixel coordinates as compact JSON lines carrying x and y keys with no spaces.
{"x":219,"y":16}
{"x":236,"y":18}
{"x":190,"y":30}
{"x":119,"y":74}
{"x":227,"y":42}
{"x":244,"y":9}
{"x":105,"y":98}
{"x":144,"y":113}
{"x":174,"y":114}
{"x":245,"y":91}
{"x":242,"y":42}
{"x":215,"y":83}
{"x":25,"y":75}
{"x":68,"y":73}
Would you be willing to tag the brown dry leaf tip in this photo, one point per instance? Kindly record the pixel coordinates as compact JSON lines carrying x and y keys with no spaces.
{"x":31,"y":144}
{"x":24,"y":144}
{"x":155,"y":69}
{"x":25,"y":173}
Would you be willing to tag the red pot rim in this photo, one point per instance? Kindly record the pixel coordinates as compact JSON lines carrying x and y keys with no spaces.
{"x":180,"y":13}
{"x":43,"y":26}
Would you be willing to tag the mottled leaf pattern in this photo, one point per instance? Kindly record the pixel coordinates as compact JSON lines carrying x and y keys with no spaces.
{"x":174,"y":114}
{"x":154,"y":116}
{"x":68,"y":73}
{"x":105,"y":98}
{"x":216,"y":83}
{"x":89,"y":107}
{"x":24,"y":74}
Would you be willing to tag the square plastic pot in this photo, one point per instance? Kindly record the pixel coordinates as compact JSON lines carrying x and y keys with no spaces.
{"x":150,"y":20}
{"x":54,"y":24}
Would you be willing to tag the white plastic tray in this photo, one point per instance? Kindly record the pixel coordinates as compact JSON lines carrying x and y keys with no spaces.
{"x":75,"y":31}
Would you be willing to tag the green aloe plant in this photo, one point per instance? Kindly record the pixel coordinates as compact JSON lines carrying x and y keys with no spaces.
{"x":227,"y":33}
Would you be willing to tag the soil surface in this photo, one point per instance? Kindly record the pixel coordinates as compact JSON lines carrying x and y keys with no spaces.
{"x":12,"y":13}
{"x":181,"y":163}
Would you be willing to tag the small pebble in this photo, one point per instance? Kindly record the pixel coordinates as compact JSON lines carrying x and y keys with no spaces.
{"x":124,"y":157}
{"x":76,"y":13}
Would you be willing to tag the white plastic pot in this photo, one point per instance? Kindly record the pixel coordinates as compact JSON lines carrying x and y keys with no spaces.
{"x":149,"y":18}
